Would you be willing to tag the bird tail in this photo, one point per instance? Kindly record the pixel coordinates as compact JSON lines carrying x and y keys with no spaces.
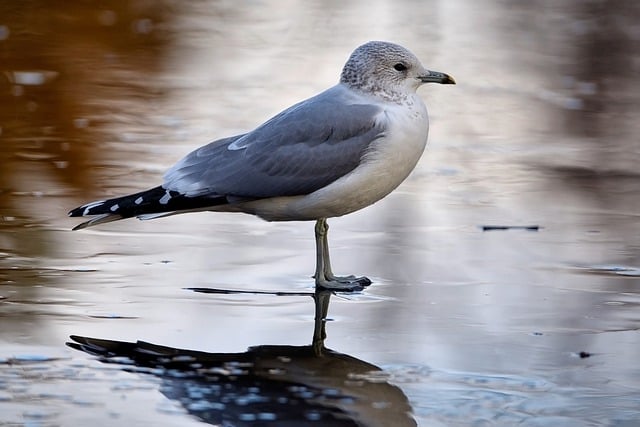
{"x":149,"y":204}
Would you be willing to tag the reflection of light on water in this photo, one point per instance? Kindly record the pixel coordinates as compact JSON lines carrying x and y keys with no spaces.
{"x":31,"y":77}
{"x":454,"y":398}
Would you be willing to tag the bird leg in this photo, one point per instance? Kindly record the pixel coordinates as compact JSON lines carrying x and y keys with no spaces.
{"x":324,"y":276}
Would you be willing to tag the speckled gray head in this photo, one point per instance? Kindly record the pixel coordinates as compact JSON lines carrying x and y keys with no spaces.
{"x":388,"y":70}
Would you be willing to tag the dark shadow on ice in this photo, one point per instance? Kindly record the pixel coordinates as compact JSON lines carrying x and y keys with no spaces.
{"x":267,"y":385}
{"x":252,"y":292}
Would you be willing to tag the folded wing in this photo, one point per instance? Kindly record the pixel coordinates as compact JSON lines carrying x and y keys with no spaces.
{"x":299,"y":151}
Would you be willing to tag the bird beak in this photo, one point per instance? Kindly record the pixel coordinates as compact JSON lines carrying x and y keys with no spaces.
{"x":437,"y":77}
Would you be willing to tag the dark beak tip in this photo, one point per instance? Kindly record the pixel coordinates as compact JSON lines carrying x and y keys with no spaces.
{"x":437,"y":77}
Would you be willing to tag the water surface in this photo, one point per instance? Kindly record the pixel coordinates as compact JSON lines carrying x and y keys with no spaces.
{"x":466,"y":326}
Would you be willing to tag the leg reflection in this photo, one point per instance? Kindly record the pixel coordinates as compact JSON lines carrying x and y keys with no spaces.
{"x":321,"y":299}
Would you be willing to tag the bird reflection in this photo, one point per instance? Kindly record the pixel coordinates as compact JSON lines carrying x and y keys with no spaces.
{"x":267,"y":385}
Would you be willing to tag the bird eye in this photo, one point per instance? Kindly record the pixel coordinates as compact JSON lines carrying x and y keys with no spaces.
{"x":400,"y":66}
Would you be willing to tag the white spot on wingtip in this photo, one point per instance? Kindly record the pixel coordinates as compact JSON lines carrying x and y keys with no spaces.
{"x":114,"y":208}
{"x":138,"y":200}
{"x":90,"y":206}
{"x":165,"y":199}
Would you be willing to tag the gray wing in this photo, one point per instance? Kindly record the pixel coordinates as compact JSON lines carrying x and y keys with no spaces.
{"x":301,"y":150}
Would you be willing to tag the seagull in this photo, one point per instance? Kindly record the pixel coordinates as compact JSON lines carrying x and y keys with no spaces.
{"x":324,"y":157}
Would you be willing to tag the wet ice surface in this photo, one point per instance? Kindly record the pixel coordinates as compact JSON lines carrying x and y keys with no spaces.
{"x":471,"y":326}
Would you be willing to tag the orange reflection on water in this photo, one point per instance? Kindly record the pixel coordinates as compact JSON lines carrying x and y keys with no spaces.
{"x":65,"y":73}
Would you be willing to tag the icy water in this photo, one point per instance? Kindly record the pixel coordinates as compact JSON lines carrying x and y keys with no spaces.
{"x":506,"y":269}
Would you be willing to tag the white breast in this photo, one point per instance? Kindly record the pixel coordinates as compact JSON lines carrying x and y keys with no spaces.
{"x":388,"y":162}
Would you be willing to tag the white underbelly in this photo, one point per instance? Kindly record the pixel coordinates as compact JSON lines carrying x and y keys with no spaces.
{"x":383,"y":171}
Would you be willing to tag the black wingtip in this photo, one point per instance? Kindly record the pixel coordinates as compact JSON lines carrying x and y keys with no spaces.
{"x":147,"y":204}
{"x":93,"y":208}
